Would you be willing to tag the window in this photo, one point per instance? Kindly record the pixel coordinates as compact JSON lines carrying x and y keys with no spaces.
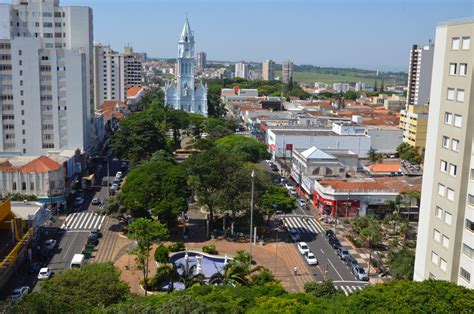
{"x":460,"y":95}
{"x":23,"y":186}
{"x":32,"y":186}
{"x":443,"y":264}
{"x":457,"y":120}
{"x":469,"y":225}
{"x":439,"y":212}
{"x":455,"y":145}
{"x":470,"y":199}
{"x":448,"y":218}
{"x":445,"y":241}
{"x":450,"y":94}
{"x":463,"y":69}
{"x":14,"y":186}
{"x":453,"y":169}
{"x":467,"y":250}
{"x":437,"y":236}
{"x":441,"y":189}
{"x":466,"y":41}
{"x":450,"y":195}
{"x":448,"y":118}
{"x":445,"y":142}
{"x":465,"y":274}
{"x":455,"y":43}
{"x":443,"y":166}
{"x":434,"y":258}
{"x":452,"y":68}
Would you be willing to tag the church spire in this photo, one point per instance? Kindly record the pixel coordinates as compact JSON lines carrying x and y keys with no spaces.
{"x":186,"y":34}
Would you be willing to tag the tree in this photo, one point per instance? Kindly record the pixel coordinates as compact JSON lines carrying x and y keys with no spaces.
{"x":145,"y":232}
{"x":375,"y":86}
{"x":372,"y":235}
{"x":159,"y":186}
{"x":374,"y":156}
{"x":245,"y":148}
{"x":382,"y":87}
{"x":261,"y":275}
{"x":215,"y":107}
{"x":276,"y":198}
{"x":408,"y":152}
{"x":351,"y":95}
{"x":324,"y":289}
{"x":188,"y":276}
{"x":234,"y":274}
{"x":96,"y":285}
{"x":402,"y":264}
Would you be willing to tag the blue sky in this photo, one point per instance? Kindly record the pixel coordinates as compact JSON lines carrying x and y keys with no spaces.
{"x":374,"y":34}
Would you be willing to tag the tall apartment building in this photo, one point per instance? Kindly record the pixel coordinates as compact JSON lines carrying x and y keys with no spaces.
{"x":413,"y":123}
{"x":445,"y":245}
{"x":286,"y":71}
{"x":46,"y":83}
{"x":242,"y":70}
{"x":268,"y":70}
{"x":201,"y":61}
{"x":114,"y":73}
{"x":419,"y":74}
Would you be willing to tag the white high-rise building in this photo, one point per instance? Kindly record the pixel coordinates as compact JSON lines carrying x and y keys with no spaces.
{"x":445,"y":244}
{"x":242,"y":70}
{"x":201,"y":61}
{"x":419,"y":74}
{"x":46,"y":82}
{"x":268,"y":70}
{"x":287,"y":71}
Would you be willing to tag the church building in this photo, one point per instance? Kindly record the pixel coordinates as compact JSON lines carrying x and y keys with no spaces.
{"x":183,"y":93}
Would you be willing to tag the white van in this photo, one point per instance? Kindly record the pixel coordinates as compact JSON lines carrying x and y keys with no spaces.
{"x":77,"y":261}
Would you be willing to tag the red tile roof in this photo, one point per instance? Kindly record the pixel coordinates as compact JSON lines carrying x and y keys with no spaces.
{"x":41,"y":164}
{"x":352,"y":185}
{"x":133,"y":91}
{"x":384,"y":168}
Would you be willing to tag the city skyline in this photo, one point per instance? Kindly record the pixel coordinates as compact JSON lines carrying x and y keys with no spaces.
{"x":366,"y":44}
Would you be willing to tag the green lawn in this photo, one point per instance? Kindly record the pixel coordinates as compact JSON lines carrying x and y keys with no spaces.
{"x":311,"y":77}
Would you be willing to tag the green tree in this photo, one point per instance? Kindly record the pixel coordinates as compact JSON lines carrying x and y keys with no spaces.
{"x":145,"y":232}
{"x":96,"y":285}
{"x":402,"y":264}
{"x":372,"y":235}
{"x":245,"y":148}
{"x":276,"y":198}
{"x":351,"y":95}
{"x":324,"y":289}
{"x":234,"y":274}
{"x":215,"y":107}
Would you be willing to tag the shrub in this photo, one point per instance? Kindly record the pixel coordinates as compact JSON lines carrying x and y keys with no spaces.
{"x":176,"y":247}
{"x":209,"y":249}
{"x":162,"y":254}
{"x":242,"y":257}
{"x":262,"y":277}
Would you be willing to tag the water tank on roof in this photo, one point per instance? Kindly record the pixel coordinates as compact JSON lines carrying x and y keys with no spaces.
{"x":357,"y":119}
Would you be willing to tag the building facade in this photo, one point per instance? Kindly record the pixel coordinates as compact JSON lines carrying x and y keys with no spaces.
{"x":46,"y":77}
{"x":201,"y":61}
{"x":242,"y":70}
{"x":445,"y":245}
{"x":268,"y":70}
{"x":419,"y":74}
{"x":183,"y":93}
{"x":413,"y":123}
{"x":287,"y":71}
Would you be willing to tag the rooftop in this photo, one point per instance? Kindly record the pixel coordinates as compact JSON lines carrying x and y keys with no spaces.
{"x":384,"y":168}
{"x":316,"y":153}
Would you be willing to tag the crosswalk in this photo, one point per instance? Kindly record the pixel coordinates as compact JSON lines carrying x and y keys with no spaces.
{"x":83,"y":221}
{"x":303,"y":224}
{"x":348,"y":289}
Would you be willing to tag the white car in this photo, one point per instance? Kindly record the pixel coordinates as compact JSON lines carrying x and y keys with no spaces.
{"x":45,"y":273}
{"x":311,"y":259}
{"x":18,"y":293}
{"x":292,"y":191}
{"x":118,"y":174}
{"x":301,"y":202}
{"x":303,"y":248}
{"x":78,"y":201}
{"x":288,"y":186}
{"x":50,"y":244}
{"x":294,"y":235}
{"x":115,"y":186}
{"x":268,"y":162}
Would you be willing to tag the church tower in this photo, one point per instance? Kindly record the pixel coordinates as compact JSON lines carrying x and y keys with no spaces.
{"x":184,"y":94}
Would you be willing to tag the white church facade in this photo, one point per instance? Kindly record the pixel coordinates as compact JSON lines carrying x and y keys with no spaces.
{"x":183,"y":93}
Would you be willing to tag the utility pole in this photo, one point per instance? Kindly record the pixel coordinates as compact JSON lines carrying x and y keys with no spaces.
{"x":251,"y":216}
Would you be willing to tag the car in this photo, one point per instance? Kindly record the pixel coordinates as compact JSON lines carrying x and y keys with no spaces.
{"x":115,"y":187}
{"x":288,"y":186}
{"x":95,"y":201}
{"x":45,"y":273}
{"x":124,"y":166}
{"x":92,"y":239}
{"x":343,"y":253}
{"x":18,"y":293}
{"x":35,"y":267}
{"x":119,"y":174}
{"x":303,"y":248}
{"x":274,"y":167}
{"x":79,"y":201}
{"x":328,"y":233}
{"x":294,"y":235}
{"x":292,"y":191}
{"x":50,"y":244}
{"x":269,"y":162}
{"x":311,"y":259}
{"x":334,"y":242}
{"x":96,"y":232}
{"x":360,"y":273}
{"x":351,"y":262}
{"x":117,"y":180}
{"x":301,"y":202}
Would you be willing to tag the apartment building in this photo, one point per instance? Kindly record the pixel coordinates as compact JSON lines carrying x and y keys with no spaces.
{"x":242,"y":70}
{"x":201,"y":61}
{"x":133,"y":68}
{"x":445,"y":246}
{"x":268,"y":70}
{"x":286,"y":71}
{"x":46,"y":88}
{"x":413,"y":123}
{"x":419,"y":74}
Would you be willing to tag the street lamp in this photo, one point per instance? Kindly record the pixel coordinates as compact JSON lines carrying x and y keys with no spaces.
{"x":251,"y":215}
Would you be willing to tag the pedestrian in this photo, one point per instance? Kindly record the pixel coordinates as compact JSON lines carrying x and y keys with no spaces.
{"x":295,"y":271}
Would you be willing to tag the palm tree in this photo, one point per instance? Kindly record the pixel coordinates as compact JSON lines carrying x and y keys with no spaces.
{"x":395,"y":205}
{"x":234,"y":274}
{"x":168,"y":273}
{"x":187,"y":275}
{"x":371,"y":235}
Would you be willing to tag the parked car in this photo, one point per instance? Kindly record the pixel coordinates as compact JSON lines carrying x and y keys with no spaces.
{"x":292,"y":191}
{"x":18,"y":293}
{"x":301,"y":202}
{"x":343,"y":253}
{"x":95,"y":201}
{"x":311,"y":259}
{"x":35,"y":267}
{"x":274,"y":167}
{"x":303,"y":248}
{"x":351,"y":262}
{"x":96,"y":232}
{"x":360,"y":273}
{"x":334,"y":242}
{"x":117,"y":180}
{"x":79,"y":201}
{"x":294,"y":235}
{"x":45,"y":273}
{"x":93,"y":239}
{"x":115,"y":187}
{"x":288,"y":186}
{"x":50,"y":244}
{"x":119,"y":174}
{"x":269,"y":162}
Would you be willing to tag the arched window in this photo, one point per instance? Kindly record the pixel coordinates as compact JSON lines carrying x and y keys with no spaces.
{"x":328,"y":171}
{"x":316,"y":171}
